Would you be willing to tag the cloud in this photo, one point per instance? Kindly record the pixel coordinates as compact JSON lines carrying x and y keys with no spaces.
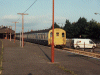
{"x":6,"y":17}
{"x":38,"y":19}
{"x":60,"y":19}
{"x":36,"y":22}
{"x":44,"y":20}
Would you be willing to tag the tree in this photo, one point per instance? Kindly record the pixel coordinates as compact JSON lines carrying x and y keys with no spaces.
{"x":80,"y":28}
{"x":94,"y":29}
{"x":68,"y":29}
{"x":55,"y":25}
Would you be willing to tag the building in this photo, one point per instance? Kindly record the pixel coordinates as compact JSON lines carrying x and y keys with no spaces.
{"x":5,"y":32}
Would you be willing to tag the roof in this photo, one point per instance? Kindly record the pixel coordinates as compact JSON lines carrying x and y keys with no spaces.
{"x":6,"y":30}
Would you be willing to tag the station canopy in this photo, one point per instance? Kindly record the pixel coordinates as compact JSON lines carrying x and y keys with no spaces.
{"x":5,"y":32}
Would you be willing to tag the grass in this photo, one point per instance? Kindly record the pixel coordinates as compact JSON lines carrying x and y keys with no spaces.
{"x":1,"y":58}
{"x":66,"y":70}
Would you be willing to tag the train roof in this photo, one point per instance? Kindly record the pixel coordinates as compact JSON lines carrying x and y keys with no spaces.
{"x":39,"y":31}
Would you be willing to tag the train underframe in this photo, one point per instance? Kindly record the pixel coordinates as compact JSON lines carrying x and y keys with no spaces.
{"x":42,"y":42}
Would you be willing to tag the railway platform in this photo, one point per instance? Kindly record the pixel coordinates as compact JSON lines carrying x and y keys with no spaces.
{"x":35,"y":59}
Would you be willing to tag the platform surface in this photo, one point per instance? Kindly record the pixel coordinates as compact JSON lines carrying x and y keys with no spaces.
{"x":35,"y":59}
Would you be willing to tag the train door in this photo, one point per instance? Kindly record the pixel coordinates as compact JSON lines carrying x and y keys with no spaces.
{"x":64,"y":38}
{"x":57,"y":38}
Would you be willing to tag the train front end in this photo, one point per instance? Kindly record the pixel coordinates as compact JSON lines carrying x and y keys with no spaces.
{"x":59,"y":37}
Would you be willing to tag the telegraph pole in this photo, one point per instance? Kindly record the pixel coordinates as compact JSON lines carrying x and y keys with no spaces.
{"x":15,"y":31}
{"x":52,"y":47}
{"x":22,"y":27}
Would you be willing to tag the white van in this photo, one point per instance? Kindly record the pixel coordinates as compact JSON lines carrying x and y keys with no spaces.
{"x":82,"y":43}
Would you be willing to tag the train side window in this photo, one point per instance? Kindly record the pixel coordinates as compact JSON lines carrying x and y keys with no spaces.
{"x":63,"y":35}
{"x":57,"y":34}
{"x":51,"y":34}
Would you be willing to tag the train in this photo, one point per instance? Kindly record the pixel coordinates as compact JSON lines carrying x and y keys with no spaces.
{"x":44,"y":37}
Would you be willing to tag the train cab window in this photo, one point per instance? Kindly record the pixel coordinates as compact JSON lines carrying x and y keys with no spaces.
{"x":57,"y":34}
{"x":51,"y":34}
{"x":62,"y":34}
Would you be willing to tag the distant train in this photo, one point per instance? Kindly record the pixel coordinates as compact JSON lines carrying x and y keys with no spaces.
{"x":45,"y":37}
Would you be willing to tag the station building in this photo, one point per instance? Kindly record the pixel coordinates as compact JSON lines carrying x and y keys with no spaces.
{"x":6,"y":32}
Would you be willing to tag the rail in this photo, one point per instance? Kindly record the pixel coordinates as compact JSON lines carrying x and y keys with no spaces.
{"x":96,"y":55}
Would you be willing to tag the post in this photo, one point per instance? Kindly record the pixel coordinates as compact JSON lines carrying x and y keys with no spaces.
{"x":93,"y":49}
{"x":84,"y":46}
{"x":3,"y":36}
{"x":6,"y":33}
{"x":52,"y":48}
{"x":15,"y":31}
{"x":10,"y":36}
{"x":10,"y":32}
{"x":70,"y":43}
{"x":22,"y":27}
{"x":20,"y":38}
{"x":22,"y":30}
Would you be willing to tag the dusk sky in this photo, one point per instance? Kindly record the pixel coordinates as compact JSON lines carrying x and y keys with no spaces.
{"x":40,"y":14}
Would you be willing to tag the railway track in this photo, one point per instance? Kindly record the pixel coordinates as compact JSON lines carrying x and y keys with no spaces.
{"x":90,"y":54}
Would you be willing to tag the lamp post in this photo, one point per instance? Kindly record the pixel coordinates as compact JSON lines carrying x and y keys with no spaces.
{"x":22,"y":27}
{"x":62,"y":24}
{"x":52,"y":47}
{"x":97,"y":13}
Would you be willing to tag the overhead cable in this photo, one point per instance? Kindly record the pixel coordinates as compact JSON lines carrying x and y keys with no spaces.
{"x":31,"y":6}
{"x":28,"y":8}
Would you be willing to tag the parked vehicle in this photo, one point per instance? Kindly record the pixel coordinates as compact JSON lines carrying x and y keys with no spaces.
{"x":83,"y":43}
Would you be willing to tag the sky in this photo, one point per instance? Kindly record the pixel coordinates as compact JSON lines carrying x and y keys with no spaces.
{"x":40,"y":13}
